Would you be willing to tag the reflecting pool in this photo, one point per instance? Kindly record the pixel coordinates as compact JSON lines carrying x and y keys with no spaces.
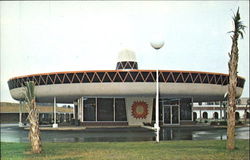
{"x":12,"y":133}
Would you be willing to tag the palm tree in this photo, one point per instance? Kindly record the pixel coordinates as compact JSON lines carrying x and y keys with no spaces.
{"x":34,"y":133}
{"x":233,"y":64}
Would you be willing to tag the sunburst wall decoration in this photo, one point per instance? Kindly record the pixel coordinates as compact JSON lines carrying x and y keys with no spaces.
{"x":139,"y":109}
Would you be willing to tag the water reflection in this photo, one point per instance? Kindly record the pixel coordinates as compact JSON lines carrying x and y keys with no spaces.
{"x":16,"y":134}
{"x":176,"y":134}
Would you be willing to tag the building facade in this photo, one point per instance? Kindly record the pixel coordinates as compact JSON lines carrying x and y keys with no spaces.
{"x":218,"y":110}
{"x":126,"y":96}
{"x":14,"y":113}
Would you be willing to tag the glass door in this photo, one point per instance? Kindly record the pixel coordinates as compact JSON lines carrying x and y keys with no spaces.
{"x":175,"y":114}
{"x":171,"y":114}
{"x":166,"y":114}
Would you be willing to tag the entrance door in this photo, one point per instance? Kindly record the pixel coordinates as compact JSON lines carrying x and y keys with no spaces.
{"x":171,"y":114}
{"x":166,"y":114}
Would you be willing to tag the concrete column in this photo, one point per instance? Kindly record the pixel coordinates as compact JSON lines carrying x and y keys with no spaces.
{"x":82,"y":109}
{"x":55,"y":125}
{"x":64,"y":117}
{"x":74,"y":116}
{"x":20,"y":114}
{"x":69,"y":118}
{"x":79,"y":108}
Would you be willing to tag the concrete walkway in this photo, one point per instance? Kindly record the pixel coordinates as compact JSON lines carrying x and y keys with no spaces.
{"x":64,"y":128}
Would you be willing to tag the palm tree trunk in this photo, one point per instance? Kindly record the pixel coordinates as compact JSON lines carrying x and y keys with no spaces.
{"x":231,"y":128}
{"x":34,"y":133}
{"x":233,"y":65}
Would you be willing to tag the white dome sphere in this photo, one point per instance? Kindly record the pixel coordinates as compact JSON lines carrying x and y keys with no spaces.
{"x":157,"y":44}
{"x":126,"y":55}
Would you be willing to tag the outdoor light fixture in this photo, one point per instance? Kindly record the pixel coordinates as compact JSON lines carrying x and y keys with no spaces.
{"x":157,"y":44}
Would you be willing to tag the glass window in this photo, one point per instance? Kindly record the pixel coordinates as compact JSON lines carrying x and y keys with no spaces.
{"x":171,"y":101}
{"x":186,"y":109}
{"x":161,"y":104}
{"x":120,"y":110}
{"x":105,"y":111}
{"x":90,"y":109}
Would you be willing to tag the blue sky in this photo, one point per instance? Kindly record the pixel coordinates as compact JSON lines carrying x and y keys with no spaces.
{"x":38,"y":37}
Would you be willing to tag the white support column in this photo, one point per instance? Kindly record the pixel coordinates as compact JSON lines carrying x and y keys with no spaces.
{"x":82,"y":109}
{"x":64,"y":117}
{"x":55,"y":125}
{"x":96,"y":109}
{"x":220,"y":110}
{"x":171,"y":114}
{"x":20,"y":114}
{"x":79,"y":108}
{"x":74,"y":116}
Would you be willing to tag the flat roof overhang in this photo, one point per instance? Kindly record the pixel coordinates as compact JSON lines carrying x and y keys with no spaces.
{"x":68,"y":86}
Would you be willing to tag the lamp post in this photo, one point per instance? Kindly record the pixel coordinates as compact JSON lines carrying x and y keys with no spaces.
{"x":157,"y":45}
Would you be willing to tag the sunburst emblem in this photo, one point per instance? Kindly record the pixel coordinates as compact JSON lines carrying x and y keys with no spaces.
{"x":139,"y":110}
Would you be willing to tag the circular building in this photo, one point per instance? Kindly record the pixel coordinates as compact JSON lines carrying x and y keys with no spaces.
{"x":126,"y":96}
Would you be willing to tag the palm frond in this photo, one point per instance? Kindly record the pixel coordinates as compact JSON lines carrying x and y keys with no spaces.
{"x":241,"y":34}
{"x":238,"y":25}
{"x":242,"y":27}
